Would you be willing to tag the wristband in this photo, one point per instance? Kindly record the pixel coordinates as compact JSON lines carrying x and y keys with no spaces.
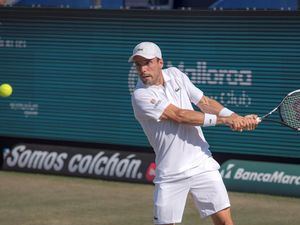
{"x":209,"y":120}
{"x":225,"y":112}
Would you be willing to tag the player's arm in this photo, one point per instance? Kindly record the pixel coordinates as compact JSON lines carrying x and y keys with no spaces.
{"x":196,"y":118}
{"x":209,"y":105}
{"x":204,"y":103}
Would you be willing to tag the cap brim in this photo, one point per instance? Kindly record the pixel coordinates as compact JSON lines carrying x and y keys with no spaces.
{"x":131,"y":58}
{"x":143,"y":55}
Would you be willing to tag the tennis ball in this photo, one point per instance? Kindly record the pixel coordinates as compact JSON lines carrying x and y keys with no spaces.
{"x":5,"y":90}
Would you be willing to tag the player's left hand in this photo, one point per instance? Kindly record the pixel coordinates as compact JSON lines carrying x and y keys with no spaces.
{"x":250,"y":122}
{"x":238,"y":123}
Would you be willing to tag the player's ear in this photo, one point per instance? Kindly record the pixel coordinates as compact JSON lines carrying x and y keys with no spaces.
{"x":161,"y":63}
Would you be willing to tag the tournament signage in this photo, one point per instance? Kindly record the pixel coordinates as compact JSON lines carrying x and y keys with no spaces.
{"x":246,"y":60}
{"x":103,"y":164}
{"x":262,"y":177}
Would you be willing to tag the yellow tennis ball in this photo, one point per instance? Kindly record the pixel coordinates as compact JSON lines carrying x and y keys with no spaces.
{"x":5,"y":90}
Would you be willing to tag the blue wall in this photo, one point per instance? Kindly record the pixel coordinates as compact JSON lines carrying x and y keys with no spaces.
{"x":72,"y":81}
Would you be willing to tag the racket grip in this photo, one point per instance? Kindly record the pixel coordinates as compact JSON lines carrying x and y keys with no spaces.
{"x":258,"y":119}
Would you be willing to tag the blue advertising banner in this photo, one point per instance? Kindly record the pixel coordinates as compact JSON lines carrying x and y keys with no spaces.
{"x":72,"y":81}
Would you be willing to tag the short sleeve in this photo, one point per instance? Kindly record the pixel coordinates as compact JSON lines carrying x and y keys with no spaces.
{"x":148,"y":106}
{"x":194,"y":93}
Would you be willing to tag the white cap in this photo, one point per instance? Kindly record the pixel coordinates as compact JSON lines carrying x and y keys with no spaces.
{"x":148,"y":50}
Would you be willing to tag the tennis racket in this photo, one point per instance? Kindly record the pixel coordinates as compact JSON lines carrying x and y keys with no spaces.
{"x":289,"y":111}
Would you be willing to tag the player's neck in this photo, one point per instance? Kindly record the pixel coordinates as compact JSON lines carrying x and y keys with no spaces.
{"x":161,"y":80}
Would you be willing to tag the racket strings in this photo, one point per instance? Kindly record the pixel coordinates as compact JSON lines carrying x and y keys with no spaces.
{"x":290,"y":110}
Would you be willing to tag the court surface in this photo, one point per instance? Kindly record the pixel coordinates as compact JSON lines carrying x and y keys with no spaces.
{"x":34,"y":199}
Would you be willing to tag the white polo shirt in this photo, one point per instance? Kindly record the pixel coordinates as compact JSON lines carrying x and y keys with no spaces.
{"x":181,"y":150}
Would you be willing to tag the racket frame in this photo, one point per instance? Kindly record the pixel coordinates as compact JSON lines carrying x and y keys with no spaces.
{"x":263,"y":118}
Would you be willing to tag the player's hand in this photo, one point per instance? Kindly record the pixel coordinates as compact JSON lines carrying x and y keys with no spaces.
{"x":250,"y":122}
{"x":238,"y":123}
{"x":242,"y":123}
{"x":235,"y":122}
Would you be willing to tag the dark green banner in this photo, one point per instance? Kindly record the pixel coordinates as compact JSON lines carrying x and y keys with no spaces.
{"x":261,"y":177}
{"x":72,"y":81}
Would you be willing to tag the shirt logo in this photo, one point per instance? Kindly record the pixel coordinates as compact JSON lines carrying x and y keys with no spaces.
{"x":177,"y":89}
{"x":154,"y":102}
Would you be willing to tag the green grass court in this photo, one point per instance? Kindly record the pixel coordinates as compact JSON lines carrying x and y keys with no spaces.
{"x":33,"y":199}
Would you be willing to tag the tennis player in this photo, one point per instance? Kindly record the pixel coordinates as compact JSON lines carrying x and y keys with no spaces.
{"x":162,"y":103}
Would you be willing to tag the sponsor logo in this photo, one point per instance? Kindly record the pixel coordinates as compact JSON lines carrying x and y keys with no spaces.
{"x":227,"y":173}
{"x":106,"y":164}
{"x":22,"y":157}
{"x":150,"y":172}
{"x":274,"y":178}
{"x":152,"y":101}
{"x":279,"y":177}
{"x":177,"y":89}
{"x":155,"y":103}
{"x":202,"y":74}
{"x":29,"y":109}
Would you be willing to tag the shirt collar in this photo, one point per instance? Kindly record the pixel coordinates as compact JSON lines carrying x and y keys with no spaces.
{"x":166,"y":76}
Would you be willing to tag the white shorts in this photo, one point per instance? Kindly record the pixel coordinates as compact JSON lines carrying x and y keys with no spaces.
{"x":208,"y":192}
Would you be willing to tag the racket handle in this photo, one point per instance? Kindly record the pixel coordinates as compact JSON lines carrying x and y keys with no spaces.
{"x":258,"y":119}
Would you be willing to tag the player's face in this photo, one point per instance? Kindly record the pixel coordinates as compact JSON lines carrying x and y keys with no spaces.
{"x":149,"y":70}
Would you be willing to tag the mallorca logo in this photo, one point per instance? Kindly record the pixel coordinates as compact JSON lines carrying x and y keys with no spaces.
{"x":202,"y":74}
